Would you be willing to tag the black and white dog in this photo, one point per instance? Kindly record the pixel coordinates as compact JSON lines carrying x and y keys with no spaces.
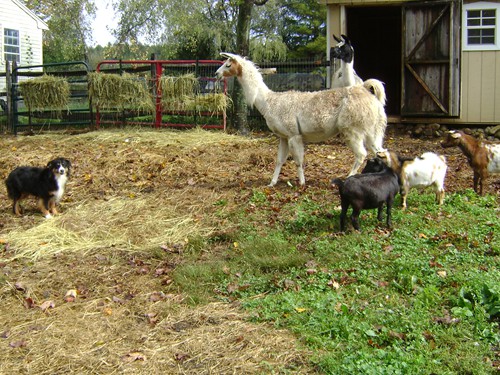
{"x":47,"y":184}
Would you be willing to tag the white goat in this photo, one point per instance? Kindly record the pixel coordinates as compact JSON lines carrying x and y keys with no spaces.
{"x":298,"y":117}
{"x":345,"y":76}
{"x":427,"y":170}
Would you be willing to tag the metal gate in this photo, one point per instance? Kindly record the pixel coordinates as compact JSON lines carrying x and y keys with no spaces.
{"x":79,"y":111}
{"x":203,"y":70}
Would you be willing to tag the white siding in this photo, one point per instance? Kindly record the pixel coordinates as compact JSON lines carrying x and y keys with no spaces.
{"x":14,"y":15}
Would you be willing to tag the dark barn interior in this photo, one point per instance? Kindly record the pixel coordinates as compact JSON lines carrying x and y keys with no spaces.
{"x":375,"y":33}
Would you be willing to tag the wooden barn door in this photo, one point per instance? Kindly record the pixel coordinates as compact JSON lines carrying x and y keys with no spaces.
{"x":431,"y":58}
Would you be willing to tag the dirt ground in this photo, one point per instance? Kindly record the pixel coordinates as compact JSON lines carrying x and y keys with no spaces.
{"x":87,"y":291}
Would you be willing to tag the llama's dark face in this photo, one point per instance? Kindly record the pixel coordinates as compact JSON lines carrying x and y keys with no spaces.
{"x":343,"y":50}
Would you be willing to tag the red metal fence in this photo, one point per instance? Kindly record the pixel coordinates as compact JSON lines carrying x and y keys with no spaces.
{"x":203,"y":70}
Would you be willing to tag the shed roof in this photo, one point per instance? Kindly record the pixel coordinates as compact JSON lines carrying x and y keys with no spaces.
{"x":40,"y":23}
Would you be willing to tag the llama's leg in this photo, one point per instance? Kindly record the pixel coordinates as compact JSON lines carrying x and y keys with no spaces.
{"x":296,"y":145}
{"x":280,"y":160}
{"x":360,"y":153}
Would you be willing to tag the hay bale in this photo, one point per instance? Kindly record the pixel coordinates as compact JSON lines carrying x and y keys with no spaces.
{"x":115,"y":91}
{"x":213,"y":103}
{"x":176,"y":88}
{"x":45,"y":92}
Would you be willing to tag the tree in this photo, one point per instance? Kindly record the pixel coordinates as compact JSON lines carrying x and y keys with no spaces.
{"x":69,"y":28}
{"x":304,"y":28}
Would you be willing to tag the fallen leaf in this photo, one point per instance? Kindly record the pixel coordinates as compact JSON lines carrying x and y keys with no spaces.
{"x":29,"y":303}
{"x":108,"y":311}
{"x":156,"y":296}
{"x":333,"y":284}
{"x":181,"y":357}
{"x":441,"y":274}
{"x":70,"y":295}
{"x":18,"y":344}
{"x":134,"y":356}
{"x":118,"y":300}
{"x":47,"y":305}
{"x":20,"y":286}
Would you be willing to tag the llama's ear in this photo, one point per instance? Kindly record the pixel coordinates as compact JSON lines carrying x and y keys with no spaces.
{"x":346,"y":39}
{"x":227,"y":55}
{"x":336,"y":38}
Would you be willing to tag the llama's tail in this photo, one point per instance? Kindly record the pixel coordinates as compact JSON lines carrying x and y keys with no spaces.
{"x":376,"y":87}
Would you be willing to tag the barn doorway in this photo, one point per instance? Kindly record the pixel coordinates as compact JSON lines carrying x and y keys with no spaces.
{"x":375,"y":33}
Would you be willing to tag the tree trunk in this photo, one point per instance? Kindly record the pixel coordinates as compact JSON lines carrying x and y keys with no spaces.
{"x":240,"y":120}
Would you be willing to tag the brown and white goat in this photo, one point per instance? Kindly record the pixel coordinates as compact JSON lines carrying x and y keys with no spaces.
{"x":483,"y":156}
{"x":429,"y":169}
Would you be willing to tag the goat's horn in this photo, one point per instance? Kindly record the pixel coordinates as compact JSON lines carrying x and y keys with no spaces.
{"x":336,"y":38}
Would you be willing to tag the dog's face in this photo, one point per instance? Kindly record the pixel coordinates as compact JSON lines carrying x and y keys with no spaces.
{"x":60,"y":166}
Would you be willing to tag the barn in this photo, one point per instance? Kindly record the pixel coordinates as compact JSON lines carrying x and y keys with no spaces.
{"x":439,"y":59}
{"x":20,"y":36}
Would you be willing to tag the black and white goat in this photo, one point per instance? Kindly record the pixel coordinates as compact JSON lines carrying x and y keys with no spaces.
{"x":345,"y":76}
{"x":367,"y":191}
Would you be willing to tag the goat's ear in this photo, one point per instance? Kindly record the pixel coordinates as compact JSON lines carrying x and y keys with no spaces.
{"x":336,"y":38}
{"x":455,"y":135}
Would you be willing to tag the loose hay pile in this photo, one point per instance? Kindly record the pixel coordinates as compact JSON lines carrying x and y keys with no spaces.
{"x":120,"y":193}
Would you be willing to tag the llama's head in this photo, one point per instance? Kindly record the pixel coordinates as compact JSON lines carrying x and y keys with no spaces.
{"x":231,"y":67}
{"x":343,"y":50}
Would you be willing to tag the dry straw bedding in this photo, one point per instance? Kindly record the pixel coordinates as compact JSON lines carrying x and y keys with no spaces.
{"x":132,"y":193}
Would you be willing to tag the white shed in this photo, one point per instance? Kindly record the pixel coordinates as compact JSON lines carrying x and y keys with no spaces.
{"x":21,"y":38}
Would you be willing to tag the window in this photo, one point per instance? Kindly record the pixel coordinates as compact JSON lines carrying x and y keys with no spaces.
{"x":11,"y":45}
{"x":481,"y":31}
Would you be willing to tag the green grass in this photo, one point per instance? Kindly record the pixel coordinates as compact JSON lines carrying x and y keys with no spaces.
{"x":422,"y":298}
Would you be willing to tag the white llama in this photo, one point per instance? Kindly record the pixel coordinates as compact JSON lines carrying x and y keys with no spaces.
{"x":300,"y":117}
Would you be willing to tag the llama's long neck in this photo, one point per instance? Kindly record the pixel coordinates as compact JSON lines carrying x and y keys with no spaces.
{"x":253,"y":85}
{"x":347,"y":69}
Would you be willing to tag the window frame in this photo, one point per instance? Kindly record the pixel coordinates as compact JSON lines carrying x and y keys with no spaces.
{"x":6,"y":45}
{"x":482,"y":5}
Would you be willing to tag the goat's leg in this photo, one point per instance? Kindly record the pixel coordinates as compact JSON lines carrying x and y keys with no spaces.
{"x":360,"y":153}
{"x":343,"y":215}
{"x":296,"y":145}
{"x":389,"y":203}
{"x":355,"y":217}
{"x":280,"y":160}
{"x":476,"y":181}
{"x":380,"y":208}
